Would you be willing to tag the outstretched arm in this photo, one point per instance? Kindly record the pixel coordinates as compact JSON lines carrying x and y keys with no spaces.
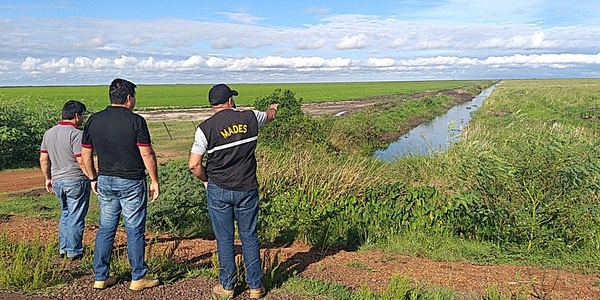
{"x":271,"y":112}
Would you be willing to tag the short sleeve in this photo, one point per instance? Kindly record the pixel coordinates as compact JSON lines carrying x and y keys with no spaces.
{"x":76,"y":142}
{"x":261,"y":117}
{"x":142,"y":133}
{"x":200,"y":142}
{"x":43,"y":146}
{"x":86,"y":139}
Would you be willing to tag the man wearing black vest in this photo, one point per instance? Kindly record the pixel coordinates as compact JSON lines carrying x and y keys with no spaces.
{"x":229,"y":139}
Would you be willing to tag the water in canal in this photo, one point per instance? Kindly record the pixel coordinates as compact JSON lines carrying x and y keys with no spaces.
{"x":437,"y":135}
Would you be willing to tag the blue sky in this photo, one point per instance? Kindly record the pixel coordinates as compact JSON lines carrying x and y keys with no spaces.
{"x":92,"y":42}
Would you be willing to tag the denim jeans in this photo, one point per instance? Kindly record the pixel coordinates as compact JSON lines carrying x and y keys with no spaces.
{"x":225,"y":207}
{"x":118,"y":196}
{"x":74,"y":198}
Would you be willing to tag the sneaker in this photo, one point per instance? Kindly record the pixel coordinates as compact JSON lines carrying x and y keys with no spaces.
{"x":257,"y":293}
{"x":219,"y":290}
{"x":76,"y":257}
{"x":102,"y":284}
{"x":144,"y":283}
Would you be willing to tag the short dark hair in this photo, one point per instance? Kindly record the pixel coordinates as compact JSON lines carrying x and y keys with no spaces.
{"x":72,"y":108}
{"x":120,"y":89}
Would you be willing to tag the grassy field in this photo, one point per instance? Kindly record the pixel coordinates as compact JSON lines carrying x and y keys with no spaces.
{"x":520,"y":187}
{"x":196,"y":95}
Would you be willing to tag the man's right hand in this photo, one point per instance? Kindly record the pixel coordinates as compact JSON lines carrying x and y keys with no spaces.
{"x":95,"y":187}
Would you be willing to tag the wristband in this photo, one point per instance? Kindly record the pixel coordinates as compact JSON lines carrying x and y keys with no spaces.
{"x":94,"y":179}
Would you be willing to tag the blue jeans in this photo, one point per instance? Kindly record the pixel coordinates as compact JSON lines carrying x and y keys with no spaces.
{"x":115,"y":196}
{"x":74,"y":198}
{"x":225,"y":207}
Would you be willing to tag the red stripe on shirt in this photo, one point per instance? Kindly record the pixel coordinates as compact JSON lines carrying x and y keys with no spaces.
{"x":144,"y":145}
{"x":87,"y":146}
{"x":67,"y":123}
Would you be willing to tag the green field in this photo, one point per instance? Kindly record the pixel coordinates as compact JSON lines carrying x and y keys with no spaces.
{"x":96,"y":97}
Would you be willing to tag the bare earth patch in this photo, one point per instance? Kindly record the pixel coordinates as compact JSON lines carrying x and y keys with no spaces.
{"x":371,"y":268}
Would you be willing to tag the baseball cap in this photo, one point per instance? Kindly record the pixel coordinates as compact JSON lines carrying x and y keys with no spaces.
{"x":220,"y":93}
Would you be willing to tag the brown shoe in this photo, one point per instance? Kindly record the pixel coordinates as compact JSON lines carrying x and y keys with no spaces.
{"x":257,"y":293}
{"x":102,"y":284}
{"x":219,"y":290}
{"x":144,"y":283}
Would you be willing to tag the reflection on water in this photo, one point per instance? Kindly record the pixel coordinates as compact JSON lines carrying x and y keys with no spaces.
{"x":437,"y":135}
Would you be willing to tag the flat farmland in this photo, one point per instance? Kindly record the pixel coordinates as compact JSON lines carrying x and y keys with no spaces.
{"x":191,"y":95}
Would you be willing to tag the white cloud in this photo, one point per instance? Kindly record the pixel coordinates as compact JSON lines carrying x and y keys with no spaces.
{"x":440,"y":38}
{"x":380,"y":62}
{"x":124,"y":62}
{"x":427,"y":44}
{"x":356,"y":41}
{"x":544,"y":59}
{"x":62,"y":65}
{"x":5,"y":65}
{"x":139,"y":39}
{"x":222,"y":43}
{"x":398,"y":42}
{"x":30,"y":63}
{"x":311,"y":44}
{"x":97,"y":41}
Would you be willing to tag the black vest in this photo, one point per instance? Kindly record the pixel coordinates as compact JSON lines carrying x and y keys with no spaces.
{"x":231,"y":137}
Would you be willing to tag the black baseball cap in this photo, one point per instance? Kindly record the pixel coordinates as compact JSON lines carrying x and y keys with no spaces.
{"x":220,"y":93}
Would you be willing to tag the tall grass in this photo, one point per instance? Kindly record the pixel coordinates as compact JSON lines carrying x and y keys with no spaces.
{"x":29,"y":265}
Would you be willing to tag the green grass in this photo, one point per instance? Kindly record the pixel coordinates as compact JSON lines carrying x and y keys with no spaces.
{"x":172,"y":139}
{"x":442,"y":247}
{"x":30,"y":266}
{"x":96,"y":97}
{"x":45,"y":207}
{"x":399,"y":288}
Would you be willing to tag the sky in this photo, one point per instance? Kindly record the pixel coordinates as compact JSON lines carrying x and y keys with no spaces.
{"x":90,"y":42}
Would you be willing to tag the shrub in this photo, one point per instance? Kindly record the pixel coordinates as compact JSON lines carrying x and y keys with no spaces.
{"x":182,"y":207}
{"x":290,"y":127}
{"x":21,"y":130}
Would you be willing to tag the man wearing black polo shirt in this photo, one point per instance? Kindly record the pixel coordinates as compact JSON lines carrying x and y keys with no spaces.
{"x":229,"y":139}
{"x":122,"y":143}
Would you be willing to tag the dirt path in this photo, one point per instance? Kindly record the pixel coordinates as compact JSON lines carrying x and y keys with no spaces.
{"x":372,"y":268}
{"x":311,"y":109}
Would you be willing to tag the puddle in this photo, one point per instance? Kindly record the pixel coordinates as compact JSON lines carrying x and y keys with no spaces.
{"x":437,"y":135}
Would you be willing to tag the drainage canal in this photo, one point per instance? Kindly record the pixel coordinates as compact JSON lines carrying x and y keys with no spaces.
{"x":437,"y":135}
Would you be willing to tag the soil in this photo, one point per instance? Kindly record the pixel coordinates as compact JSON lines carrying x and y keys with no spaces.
{"x":353,"y":269}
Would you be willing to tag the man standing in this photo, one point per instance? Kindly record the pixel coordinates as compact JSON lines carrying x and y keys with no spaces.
{"x":62,"y":165}
{"x":229,"y":138}
{"x":122,"y":143}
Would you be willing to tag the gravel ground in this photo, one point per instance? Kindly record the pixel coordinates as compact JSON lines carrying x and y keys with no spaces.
{"x":189,"y":288}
